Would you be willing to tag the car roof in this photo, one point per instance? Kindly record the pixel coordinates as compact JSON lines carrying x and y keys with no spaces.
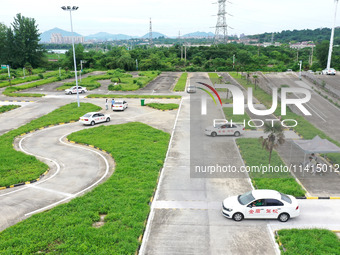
{"x":266,"y":193}
{"x":91,"y":112}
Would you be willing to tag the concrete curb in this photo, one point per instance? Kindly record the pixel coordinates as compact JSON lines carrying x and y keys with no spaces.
{"x":136,"y":97}
{"x":320,"y":198}
{"x":17,"y":101}
{"x":41,"y":176}
{"x":279,"y":242}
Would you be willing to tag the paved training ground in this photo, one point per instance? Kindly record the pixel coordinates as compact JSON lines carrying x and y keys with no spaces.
{"x":186,"y":213}
{"x":186,"y":216}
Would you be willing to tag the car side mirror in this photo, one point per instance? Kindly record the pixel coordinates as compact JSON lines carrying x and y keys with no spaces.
{"x":250,"y":206}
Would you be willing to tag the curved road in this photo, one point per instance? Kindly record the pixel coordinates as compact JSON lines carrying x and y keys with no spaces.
{"x":74,"y":170}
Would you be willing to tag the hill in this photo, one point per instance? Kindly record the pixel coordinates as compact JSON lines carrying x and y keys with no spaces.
{"x":154,"y":35}
{"x":46,"y":36}
{"x":103,"y":36}
{"x":199,"y":35}
{"x":286,"y":36}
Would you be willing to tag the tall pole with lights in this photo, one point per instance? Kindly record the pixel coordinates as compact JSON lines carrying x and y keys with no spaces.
{"x":70,"y":9}
{"x":332,"y":38}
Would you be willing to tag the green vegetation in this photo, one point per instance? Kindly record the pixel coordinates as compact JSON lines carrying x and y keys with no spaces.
{"x":123,"y":199}
{"x":253,"y":155}
{"x":6,"y":108}
{"x":228,"y":112}
{"x":134,"y":96}
{"x":129,"y":83}
{"x":11,"y":91}
{"x":308,"y":241}
{"x":17,"y":167}
{"x":163,"y":107}
{"x":181,"y":83}
{"x":89,"y":82}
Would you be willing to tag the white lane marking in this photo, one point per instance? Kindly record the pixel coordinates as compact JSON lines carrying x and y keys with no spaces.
{"x":51,"y":190}
{"x":161,"y":177}
{"x":272,"y":237}
{"x":313,"y":109}
{"x":79,"y":192}
{"x":23,"y":150}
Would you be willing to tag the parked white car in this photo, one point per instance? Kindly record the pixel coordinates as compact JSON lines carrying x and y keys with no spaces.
{"x":119,"y":106}
{"x":73,"y":90}
{"x":330,"y":71}
{"x":261,"y":204}
{"x":225,"y":129}
{"x":191,"y":89}
{"x":92,"y":118}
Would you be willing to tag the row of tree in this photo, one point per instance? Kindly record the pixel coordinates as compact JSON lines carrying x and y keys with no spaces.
{"x":222,"y":57}
{"x":19,"y":43}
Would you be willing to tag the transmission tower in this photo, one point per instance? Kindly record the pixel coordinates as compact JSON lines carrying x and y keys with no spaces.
{"x":221,"y":32}
{"x":150,"y":34}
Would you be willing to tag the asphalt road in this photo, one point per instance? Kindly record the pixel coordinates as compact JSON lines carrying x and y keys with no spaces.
{"x":186,"y":213}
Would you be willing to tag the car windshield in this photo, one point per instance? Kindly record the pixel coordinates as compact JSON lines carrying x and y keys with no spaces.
{"x":87,"y":115}
{"x":286,"y":198}
{"x":246,"y":198}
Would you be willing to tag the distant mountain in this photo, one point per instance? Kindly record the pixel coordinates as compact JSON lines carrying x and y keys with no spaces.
{"x":46,"y":36}
{"x":103,"y":36}
{"x":154,"y":35}
{"x":198,"y":35}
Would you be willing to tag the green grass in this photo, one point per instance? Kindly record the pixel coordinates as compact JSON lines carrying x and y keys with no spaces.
{"x":90,"y":82}
{"x":308,"y":241}
{"x":253,"y":155}
{"x":6,"y":108}
{"x":129,"y":83}
{"x":228,"y":112}
{"x":17,"y":167}
{"x":227,"y":101}
{"x":214,"y":77}
{"x":123,"y":198}
{"x":134,"y":96}
{"x":304,"y":127}
{"x":163,"y":107}
{"x":181,"y":83}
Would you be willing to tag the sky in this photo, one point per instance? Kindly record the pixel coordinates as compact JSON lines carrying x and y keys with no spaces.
{"x":131,"y":17}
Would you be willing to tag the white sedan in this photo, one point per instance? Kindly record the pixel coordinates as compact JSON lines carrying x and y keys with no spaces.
{"x":92,"y":118}
{"x":119,"y":105}
{"x":73,"y":90}
{"x":225,"y":129}
{"x":261,"y":204}
{"x":330,"y":71}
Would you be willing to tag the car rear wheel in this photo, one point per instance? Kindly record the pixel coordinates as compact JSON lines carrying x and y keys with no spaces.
{"x":83,"y":91}
{"x":213,"y":134}
{"x":283,"y":217}
{"x":92,"y":123}
{"x":237,"y":134}
{"x":70,"y":93}
{"x":108,"y":119}
{"x":238,"y":216}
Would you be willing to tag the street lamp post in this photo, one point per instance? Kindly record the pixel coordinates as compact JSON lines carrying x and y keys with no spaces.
{"x":332,"y":38}
{"x":70,"y":9}
{"x":300,"y":63}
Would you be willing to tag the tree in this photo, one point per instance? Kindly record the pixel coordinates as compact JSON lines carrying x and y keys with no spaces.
{"x":3,"y":32}
{"x":274,"y":139}
{"x":322,"y":52}
{"x":25,"y":44}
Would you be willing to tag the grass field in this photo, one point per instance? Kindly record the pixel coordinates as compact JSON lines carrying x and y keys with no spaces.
{"x":181,"y":83}
{"x":6,"y":108}
{"x":134,"y":96}
{"x":253,"y":155}
{"x":308,"y":241}
{"x":17,"y":167}
{"x":163,"y":107}
{"x":123,"y":200}
{"x":129,"y":83}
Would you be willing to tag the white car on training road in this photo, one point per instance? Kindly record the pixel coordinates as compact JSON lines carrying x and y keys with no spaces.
{"x":92,"y":118}
{"x":119,"y":105}
{"x":261,"y":204}
{"x":73,"y":90}
{"x":330,"y":71}
{"x":225,"y":129}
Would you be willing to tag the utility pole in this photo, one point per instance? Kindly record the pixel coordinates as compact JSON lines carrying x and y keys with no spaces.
{"x":150,"y":34}
{"x":300,"y":63}
{"x":221,"y":32}
{"x":332,"y":38}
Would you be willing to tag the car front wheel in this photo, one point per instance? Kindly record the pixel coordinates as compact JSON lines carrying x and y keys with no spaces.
{"x":108,"y":119}
{"x":213,"y":134}
{"x":238,"y":216}
{"x":237,"y":134}
{"x":283,"y":217}
{"x":70,"y":93}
